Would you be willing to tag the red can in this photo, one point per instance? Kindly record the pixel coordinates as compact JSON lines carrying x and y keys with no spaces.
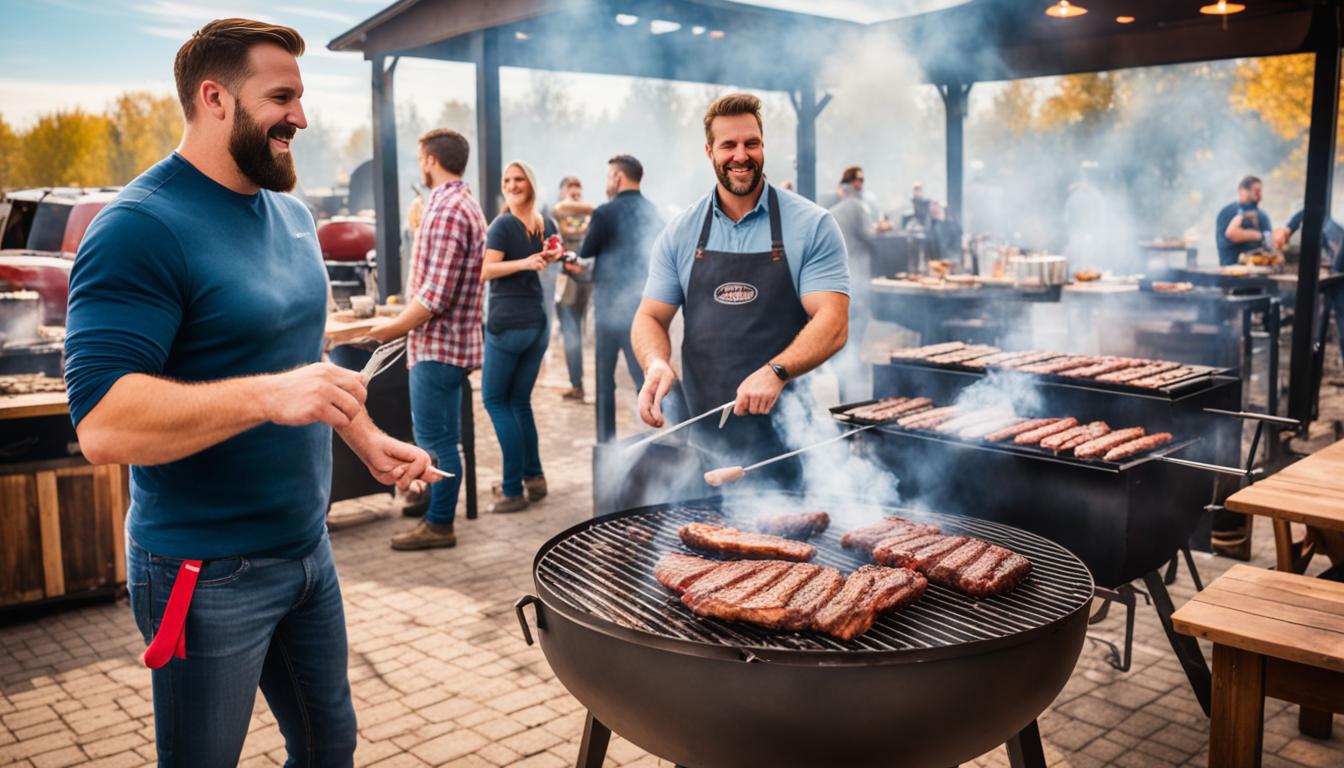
{"x":553,"y":243}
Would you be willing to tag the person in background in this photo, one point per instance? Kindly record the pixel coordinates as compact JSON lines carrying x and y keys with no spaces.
{"x":442,"y":323}
{"x":918,"y":214}
{"x":1332,"y":258}
{"x":193,"y":354}
{"x":574,"y":288}
{"x":944,"y":234}
{"x":618,"y":244}
{"x":855,"y":219}
{"x":516,"y":333}
{"x":1241,"y":227}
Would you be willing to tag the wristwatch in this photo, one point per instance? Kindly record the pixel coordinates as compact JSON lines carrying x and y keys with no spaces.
{"x":780,"y":371}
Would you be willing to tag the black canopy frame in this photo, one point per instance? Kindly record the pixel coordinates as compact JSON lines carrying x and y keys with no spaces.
{"x":975,"y":41}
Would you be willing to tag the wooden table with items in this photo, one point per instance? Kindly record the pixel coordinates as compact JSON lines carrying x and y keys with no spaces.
{"x":1311,"y":493}
{"x":1274,"y":634}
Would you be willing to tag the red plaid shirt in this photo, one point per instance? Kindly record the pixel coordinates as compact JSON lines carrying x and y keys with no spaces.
{"x":446,"y":279}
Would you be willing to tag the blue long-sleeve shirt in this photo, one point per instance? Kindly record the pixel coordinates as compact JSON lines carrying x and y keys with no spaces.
{"x":182,"y":278}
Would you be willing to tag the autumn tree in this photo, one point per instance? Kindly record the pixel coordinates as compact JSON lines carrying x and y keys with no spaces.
{"x":71,"y":148}
{"x":1278,"y":90}
{"x":1078,"y":100}
{"x":9,"y":156}
{"x":145,"y":128}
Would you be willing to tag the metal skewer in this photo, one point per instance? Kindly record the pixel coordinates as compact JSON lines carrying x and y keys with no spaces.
{"x":682,"y":425}
{"x":441,"y":472}
{"x":724,"y":475}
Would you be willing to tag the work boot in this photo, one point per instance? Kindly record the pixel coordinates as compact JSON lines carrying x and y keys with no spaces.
{"x":573,"y":393}
{"x":509,"y":504}
{"x":535,"y":487}
{"x":425,"y":535}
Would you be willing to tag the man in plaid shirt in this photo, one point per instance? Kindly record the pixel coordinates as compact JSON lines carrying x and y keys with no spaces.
{"x":442,"y":322}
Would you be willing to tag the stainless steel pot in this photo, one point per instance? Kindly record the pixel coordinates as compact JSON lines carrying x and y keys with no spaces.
{"x":1039,"y":270}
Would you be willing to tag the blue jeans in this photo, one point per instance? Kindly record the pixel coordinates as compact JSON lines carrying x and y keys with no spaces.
{"x":512,"y":360}
{"x":436,"y":415}
{"x":571,"y":330}
{"x":271,"y":622}
{"x":613,"y":338}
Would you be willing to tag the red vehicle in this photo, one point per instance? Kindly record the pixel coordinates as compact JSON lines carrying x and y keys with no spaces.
{"x":40,"y":231}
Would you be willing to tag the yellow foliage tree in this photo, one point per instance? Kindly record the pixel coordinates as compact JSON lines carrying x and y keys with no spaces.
{"x":9,"y":156}
{"x":1278,"y":90}
{"x":145,"y":128}
{"x":67,"y":149}
{"x":1078,"y":99}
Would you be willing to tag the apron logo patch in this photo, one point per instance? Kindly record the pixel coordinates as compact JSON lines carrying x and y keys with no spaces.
{"x":733,"y":294}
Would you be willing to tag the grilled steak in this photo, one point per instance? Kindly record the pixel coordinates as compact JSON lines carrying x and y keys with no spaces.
{"x":795,"y":525}
{"x":929,"y":418}
{"x":792,"y":601}
{"x":678,"y":572}
{"x":1130,"y":374}
{"x":965,"y":353}
{"x":1059,"y":364}
{"x":916,"y":353}
{"x":868,"y":593}
{"x":1102,"y":366}
{"x":1055,"y":426}
{"x":730,"y":541}
{"x":1020,"y":428}
{"x":1101,"y":445}
{"x":1135,"y":447}
{"x":1094,"y":430}
{"x":966,"y":564}
{"x":1166,"y":377}
{"x":865,"y":538}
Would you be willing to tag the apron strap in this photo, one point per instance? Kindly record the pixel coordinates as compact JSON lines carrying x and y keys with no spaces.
{"x":704,"y":230}
{"x":776,"y":229}
{"x":171,"y":639}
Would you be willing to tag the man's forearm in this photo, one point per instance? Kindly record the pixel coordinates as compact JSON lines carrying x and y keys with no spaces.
{"x":650,"y":341}
{"x":358,"y":435}
{"x":147,"y":420}
{"x":820,"y":338}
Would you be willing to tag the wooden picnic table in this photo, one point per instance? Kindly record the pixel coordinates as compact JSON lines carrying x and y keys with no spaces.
{"x":1310,"y":492}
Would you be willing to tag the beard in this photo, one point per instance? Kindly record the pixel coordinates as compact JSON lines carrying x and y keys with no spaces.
{"x":250,"y":146}
{"x":740,"y":190}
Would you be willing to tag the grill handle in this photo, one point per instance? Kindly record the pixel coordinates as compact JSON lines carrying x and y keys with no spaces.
{"x":1238,"y":471}
{"x":1282,"y":421}
{"x":518,"y":607}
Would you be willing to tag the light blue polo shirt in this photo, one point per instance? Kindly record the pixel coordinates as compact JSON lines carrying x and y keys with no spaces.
{"x":812,"y":243}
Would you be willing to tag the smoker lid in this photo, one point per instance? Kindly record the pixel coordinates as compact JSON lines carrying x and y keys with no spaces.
{"x":600,"y":573}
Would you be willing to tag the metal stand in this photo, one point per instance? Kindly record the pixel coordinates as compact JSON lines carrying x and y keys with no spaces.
{"x":1025,"y":750}
{"x":1126,"y":596}
{"x":1174,"y":567}
{"x":593,"y":748}
{"x":469,"y":446}
{"x":1186,"y":647}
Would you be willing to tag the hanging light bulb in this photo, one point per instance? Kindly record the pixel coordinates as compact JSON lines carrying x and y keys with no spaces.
{"x":1065,"y":10}
{"x":1124,"y":19}
{"x":1222,"y":8}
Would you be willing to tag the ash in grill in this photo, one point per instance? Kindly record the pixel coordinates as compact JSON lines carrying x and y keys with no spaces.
{"x":606,"y":570}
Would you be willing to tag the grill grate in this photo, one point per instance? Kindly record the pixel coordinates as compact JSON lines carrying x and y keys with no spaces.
{"x":606,"y":570}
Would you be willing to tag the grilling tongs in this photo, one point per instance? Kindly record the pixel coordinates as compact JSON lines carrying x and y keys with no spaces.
{"x":725,"y":475}
{"x":725,"y":408}
{"x":382,"y":359}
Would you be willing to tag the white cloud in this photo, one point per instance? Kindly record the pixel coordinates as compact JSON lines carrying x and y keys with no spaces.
{"x":315,"y":13}
{"x":170,"y":33}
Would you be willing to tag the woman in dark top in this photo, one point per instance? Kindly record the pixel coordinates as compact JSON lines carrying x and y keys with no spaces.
{"x":516,"y":334}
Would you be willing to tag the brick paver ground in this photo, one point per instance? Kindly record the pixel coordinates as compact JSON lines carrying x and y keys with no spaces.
{"x":441,"y":675}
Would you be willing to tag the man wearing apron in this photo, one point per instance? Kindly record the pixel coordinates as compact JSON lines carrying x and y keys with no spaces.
{"x":763,"y":277}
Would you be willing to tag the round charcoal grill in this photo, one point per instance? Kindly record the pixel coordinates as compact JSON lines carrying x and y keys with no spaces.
{"x":948,"y":678}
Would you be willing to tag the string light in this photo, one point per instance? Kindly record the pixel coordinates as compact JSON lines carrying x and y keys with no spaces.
{"x":1065,"y":10}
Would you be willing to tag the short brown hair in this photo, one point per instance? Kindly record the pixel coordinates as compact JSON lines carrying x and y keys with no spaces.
{"x":730,"y":105}
{"x":218,"y":51}
{"x":630,"y":166}
{"x":448,"y":147}
{"x":851,"y":173}
{"x":1248,"y":182}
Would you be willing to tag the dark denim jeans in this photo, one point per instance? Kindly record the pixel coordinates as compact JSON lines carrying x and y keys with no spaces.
{"x":613,"y":338}
{"x":436,"y":414}
{"x":512,"y":360}
{"x":271,"y":622}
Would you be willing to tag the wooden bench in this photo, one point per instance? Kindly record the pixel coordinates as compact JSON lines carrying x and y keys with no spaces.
{"x":1274,"y":634}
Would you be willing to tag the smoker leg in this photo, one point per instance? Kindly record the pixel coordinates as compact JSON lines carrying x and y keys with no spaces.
{"x":593,"y":749}
{"x":1186,"y":647}
{"x":1194,"y":572}
{"x":1173,"y":565}
{"x":469,"y":447}
{"x":1125,"y":595}
{"x":1025,"y":750}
